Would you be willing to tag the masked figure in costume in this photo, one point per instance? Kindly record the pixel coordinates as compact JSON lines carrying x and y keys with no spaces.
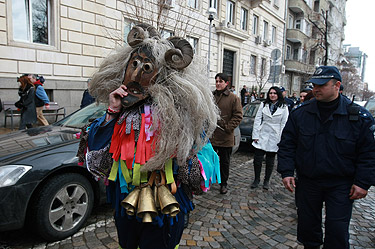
{"x":152,"y":144}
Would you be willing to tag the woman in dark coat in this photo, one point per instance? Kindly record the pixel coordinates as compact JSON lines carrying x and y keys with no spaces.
{"x":26,"y":92}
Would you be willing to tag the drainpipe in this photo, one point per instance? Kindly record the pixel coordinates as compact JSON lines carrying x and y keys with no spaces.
{"x":284,"y":40}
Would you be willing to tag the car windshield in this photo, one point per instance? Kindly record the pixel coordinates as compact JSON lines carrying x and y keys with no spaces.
{"x":370,"y":106}
{"x":83,"y":116}
{"x":250,"y":110}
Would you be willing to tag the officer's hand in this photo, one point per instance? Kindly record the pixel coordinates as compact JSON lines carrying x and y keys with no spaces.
{"x":289,"y":183}
{"x":115,"y":97}
{"x":357,"y":193}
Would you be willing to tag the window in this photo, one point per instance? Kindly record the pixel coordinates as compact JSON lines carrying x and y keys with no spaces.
{"x":128,"y":25}
{"x":193,"y":4}
{"x":265,"y":30}
{"x":193,"y":42}
{"x":263,"y":67}
{"x":298,"y":24}
{"x":276,"y":3}
{"x":273,"y":38}
{"x":295,"y":54}
{"x":213,"y":4}
{"x":230,"y":12}
{"x":253,"y":64}
{"x":32,"y":21}
{"x":255,"y":24}
{"x":288,"y":52}
{"x":290,"y":22}
{"x":244,"y":14}
{"x":166,"y":34}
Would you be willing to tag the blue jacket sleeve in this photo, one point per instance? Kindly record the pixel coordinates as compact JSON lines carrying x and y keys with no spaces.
{"x":287,"y":149}
{"x":41,"y":94}
{"x":100,"y":136}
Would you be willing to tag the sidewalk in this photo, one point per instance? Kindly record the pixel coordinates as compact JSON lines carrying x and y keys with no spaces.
{"x":243,"y":218}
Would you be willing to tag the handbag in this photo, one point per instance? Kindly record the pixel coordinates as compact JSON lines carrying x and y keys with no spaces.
{"x":99,"y":162}
{"x":19,"y":104}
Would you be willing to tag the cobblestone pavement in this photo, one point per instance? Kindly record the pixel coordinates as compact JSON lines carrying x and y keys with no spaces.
{"x":243,"y":218}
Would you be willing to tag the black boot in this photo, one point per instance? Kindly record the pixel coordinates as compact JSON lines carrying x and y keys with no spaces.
{"x":258,"y":159}
{"x":270,"y":161}
{"x":255,"y":183}
{"x":311,"y":247}
{"x":186,"y":219}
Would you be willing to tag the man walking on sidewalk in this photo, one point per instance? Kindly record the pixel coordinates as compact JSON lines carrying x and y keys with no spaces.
{"x":41,"y":98}
{"x":329,"y":142}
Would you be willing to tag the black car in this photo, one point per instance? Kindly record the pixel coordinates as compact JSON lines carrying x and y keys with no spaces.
{"x":246,"y":126}
{"x":41,"y":183}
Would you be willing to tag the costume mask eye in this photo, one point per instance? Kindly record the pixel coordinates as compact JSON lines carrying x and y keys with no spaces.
{"x":136,"y":62}
{"x":148,"y":67}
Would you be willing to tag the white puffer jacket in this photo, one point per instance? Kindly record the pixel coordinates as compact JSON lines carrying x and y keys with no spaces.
{"x":267,"y":128}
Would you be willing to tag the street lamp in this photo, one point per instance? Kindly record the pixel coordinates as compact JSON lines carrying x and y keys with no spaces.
{"x":211,"y":14}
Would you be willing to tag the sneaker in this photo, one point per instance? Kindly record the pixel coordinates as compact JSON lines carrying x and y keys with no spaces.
{"x":223,"y":190}
{"x":255,"y":184}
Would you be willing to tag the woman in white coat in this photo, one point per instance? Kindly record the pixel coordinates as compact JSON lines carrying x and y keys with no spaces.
{"x":268,"y":125}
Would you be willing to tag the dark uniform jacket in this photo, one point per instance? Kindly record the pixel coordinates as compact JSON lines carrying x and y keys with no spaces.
{"x":337,"y":149}
{"x":231,"y":116}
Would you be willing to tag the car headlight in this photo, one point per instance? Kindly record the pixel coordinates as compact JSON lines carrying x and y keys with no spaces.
{"x":10,"y":174}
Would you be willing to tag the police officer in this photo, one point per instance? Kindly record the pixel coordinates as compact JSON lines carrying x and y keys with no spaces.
{"x":329,"y":142}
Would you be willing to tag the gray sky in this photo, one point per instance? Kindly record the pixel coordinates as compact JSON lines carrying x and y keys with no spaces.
{"x":359,"y":32}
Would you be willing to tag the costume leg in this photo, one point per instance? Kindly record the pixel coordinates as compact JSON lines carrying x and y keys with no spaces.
{"x":309,"y":200}
{"x":338,"y":214}
{"x":270,"y":162}
{"x":40,"y":117}
{"x":258,"y":160}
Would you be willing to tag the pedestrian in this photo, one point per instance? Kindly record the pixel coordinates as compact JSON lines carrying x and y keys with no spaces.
{"x":230,"y":117}
{"x":152,"y":143}
{"x":329,"y":142}
{"x":26,"y":103}
{"x":41,"y":98}
{"x":86,"y":97}
{"x":243,"y":92}
{"x":305,"y":95}
{"x":268,"y":125}
{"x":288,"y":101}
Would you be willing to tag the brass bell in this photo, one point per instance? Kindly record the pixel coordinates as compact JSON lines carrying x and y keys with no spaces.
{"x":131,"y":201}
{"x":168,"y":203}
{"x":146,"y":205}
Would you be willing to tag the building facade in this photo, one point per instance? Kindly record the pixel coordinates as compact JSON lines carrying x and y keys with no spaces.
{"x":66,"y":40}
{"x":314,"y":37}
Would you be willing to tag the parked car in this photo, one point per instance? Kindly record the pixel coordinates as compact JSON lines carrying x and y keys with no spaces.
{"x":246,"y":125}
{"x":370,"y":106}
{"x":41,"y":183}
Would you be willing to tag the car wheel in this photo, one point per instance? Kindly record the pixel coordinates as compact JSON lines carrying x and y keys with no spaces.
{"x":63,"y":206}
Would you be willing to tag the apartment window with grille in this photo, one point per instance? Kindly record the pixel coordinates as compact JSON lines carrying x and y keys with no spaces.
{"x":273,"y":35}
{"x":128,"y":25}
{"x":295,"y":54}
{"x":255,"y":24}
{"x":298,"y":24}
{"x":263,"y":67}
{"x":166,"y":34}
{"x":32,"y":21}
{"x":265,"y":30}
{"x":213,"y":4}
{"x":253,"y":64}
{"x":230,"y":12}
{"x":244,"y":15}
{"x":193,"y":42}
{"x":193,"y":4}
